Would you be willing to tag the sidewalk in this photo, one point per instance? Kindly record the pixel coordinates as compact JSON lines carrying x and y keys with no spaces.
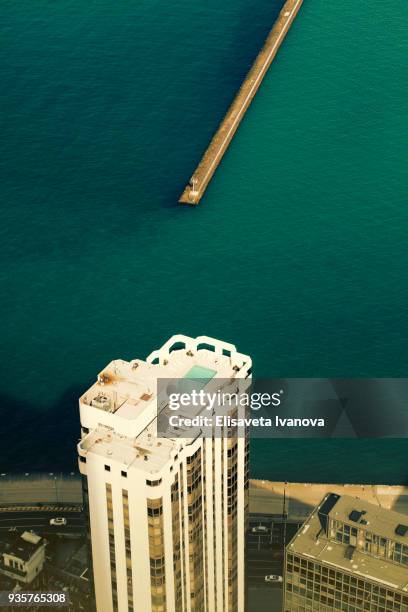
{"x":265,"y":497}
{"x":40,"y":488}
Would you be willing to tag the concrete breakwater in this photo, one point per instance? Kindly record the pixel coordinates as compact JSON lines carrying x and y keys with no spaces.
{"x":197,"y":185}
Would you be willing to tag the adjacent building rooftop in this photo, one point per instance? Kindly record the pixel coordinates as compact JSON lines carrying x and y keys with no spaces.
{"x":383,"y":522}
{"x":312,"y":541}
{"x":22,"y":546}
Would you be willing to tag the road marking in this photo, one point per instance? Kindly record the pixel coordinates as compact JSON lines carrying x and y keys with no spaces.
{"x":48,"y":508}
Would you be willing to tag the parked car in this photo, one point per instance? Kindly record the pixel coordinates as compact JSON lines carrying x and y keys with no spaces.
{"x":58,"y":521}
{"x":273,"y":578}
{"x":260,"y":529}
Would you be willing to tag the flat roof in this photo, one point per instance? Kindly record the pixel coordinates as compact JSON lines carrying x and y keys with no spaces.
{"x":124,"y":388}
{"x":145,"y":452}
{"x":379,"y":520}
{"x":311,"y":542}
{"x":128,"y":390}
{"x":22,"y":546}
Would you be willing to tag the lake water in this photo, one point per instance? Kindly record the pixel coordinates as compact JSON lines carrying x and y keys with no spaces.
{"x":297,"y":253}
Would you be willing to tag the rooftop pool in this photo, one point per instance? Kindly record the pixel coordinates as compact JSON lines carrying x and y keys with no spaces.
{"x":200,"y":372}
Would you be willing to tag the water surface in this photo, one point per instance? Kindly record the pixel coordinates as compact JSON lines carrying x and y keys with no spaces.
{"x":297,"y":253}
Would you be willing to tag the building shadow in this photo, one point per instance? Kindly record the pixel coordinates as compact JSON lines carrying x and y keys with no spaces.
{"x":40,"y":440}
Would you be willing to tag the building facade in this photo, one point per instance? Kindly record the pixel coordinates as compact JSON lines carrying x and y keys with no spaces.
{"x":22,"y":556}
{"x":349,"y":555}
{"x":167,"y":517}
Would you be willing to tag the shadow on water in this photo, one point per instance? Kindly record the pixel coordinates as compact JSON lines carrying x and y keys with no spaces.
{"x":40,"y":440}
{"x":36,"y":439}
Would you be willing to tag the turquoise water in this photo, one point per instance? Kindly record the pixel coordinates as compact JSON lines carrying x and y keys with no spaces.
{"x":195,"y":379}
{"x":297,"y":253}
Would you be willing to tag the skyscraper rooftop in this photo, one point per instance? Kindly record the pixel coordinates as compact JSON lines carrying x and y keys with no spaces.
{"x":119,"y":411}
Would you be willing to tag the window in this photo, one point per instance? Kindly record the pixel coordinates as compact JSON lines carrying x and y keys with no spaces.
{"x":153,"y":483}
{"x":124,"y":474}
{"x":107,"y":468}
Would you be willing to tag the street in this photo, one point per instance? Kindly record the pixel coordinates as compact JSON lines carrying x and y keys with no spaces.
{"x":265,"y":556}
{"x":40,"y":521}
{"x":264,"y":546}
{"x":261,"y":600}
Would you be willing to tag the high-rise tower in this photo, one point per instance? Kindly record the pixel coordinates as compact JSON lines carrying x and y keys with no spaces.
{"x":167,"y":516}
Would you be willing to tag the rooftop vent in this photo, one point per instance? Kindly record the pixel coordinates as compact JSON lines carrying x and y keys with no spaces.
{"x":102,"y":402}
{"x":355,"y":515}
{"x":401,"y":530}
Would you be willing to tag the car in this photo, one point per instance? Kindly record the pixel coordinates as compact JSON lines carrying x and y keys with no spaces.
{"x":260,"y":529}
{"x":273,"y":578}
{"x":58,"y":521}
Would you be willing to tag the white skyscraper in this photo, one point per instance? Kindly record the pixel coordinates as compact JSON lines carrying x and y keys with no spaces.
{"x":167,"y":516}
